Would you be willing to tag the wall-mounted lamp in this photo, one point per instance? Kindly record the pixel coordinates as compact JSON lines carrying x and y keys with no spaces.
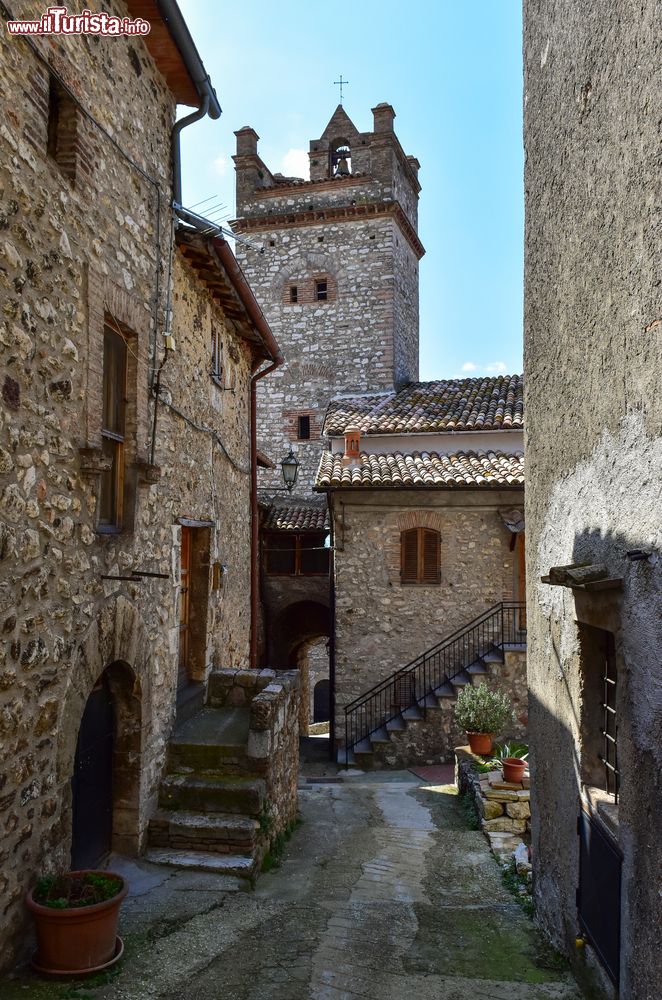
{"x":290,"y":467}
{"x":642,"y":555}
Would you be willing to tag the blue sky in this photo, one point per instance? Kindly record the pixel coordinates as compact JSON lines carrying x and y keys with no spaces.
{"x":452,"y":71}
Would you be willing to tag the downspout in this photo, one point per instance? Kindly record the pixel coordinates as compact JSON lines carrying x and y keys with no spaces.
{"x":177,"y":129}
{"x":333,"y":753}
{"x":255,"y":528}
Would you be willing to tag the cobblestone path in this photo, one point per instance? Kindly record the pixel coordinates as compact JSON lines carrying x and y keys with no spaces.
{"x":383,"y":893}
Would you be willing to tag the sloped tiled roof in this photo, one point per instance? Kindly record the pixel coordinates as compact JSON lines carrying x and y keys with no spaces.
{"x":465,"y":404}
{"x":298,"y":516}
{"x":467,"y":469}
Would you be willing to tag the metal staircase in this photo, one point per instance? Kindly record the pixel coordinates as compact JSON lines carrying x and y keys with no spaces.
{"x":433,"y":679}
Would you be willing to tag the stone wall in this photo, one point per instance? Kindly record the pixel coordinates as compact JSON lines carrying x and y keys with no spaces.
{"x":503,"y":807}
{"x":593,"y":363}
{"x":273,"y":749}
{"x":382,"y":624}
{"x":77,"y":248}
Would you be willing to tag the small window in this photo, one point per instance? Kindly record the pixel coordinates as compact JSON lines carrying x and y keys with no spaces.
{"x":216,"y":354}
{"x":420,"y":556}
{"x":294,"y":293}
{"x":113,"y":430}
{"x":321,"y":290}
{"x":280,"y":554}
{"x":303,"y":428}
{"x":62,"y":128}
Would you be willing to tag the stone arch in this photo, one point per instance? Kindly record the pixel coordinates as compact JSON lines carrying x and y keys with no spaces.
{"x":296,"y":629}
{"x":420,"y":519}
{"x":115,"y":645}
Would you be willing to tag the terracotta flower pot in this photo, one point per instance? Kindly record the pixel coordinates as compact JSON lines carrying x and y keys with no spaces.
{"x":480,"y":743}
{"x":80,"y":939}
{"x":513,"y":769}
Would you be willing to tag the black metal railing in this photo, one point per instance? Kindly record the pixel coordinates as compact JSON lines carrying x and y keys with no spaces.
{"x":411,"y":685}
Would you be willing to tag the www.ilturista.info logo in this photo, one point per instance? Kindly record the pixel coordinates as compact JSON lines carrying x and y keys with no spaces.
{"x":58,"y":21}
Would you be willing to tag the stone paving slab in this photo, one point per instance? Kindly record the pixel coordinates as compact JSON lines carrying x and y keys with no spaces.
{"x":383,"y":894}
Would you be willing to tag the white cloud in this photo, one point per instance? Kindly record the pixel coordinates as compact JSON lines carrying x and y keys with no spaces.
{"x":493,"y":368}
{"x":296,"y":163}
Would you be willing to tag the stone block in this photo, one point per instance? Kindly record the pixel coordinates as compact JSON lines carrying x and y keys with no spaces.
{"x":500,"y":795}
{"x":504,"y":824}
{"x":489,"y":809}
{"x":518,"y":810}
{"x":506,"y":785}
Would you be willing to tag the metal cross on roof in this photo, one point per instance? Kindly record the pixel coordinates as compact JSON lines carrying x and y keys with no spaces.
{"x":340,"y":83}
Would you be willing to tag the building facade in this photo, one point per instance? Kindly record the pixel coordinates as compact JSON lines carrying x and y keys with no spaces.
{"x":593,"y":360}
{"x":125,"y":496}
{"x":425,"y":490}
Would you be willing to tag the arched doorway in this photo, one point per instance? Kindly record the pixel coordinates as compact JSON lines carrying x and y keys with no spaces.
{"x":106,"y":773}
{"x":322,"y":701}
{"x":92,"y":780}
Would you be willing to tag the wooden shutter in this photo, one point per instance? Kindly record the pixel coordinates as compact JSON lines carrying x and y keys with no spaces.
{"x":430,"y":556}
{"x":409,"y":556}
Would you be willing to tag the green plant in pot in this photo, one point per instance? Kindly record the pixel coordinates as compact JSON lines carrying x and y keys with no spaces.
{"x":76,"y":917}
{"x":512,"y":759}
{"x":482,"y":713}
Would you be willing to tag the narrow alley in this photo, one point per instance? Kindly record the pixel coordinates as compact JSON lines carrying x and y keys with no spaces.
{"x":383,"y":892}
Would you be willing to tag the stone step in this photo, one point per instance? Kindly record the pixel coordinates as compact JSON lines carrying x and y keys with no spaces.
{"x":214,"y":740}
{"x":445,"y":691}
{"x":380,"y":736}
{"x":365,"y":746}
{"x":429,"y":701}
{"x":412,"y":713}
{"x":209,"y":794}
{"x":346,"y":757}
{"x":494,"y":656}
{"x":397,"y":725}
{"x":479,"y":667}
{"x":460,"y":680}
{"x":218,"y":832}
{"x":514,"y":647}
{"x":240,"y":866}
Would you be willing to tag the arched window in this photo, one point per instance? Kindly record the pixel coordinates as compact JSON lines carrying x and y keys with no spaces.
{"x":341,"y":158}
{"x":420,"y":550}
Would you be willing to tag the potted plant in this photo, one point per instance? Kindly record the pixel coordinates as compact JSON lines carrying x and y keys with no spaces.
{"x":482,"y":713}
{"x":512,"y":759}
{"x":76,"y":918}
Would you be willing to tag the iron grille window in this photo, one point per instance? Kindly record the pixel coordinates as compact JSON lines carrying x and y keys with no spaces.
{"x":321,"y":290}
{"x":609,"y":728}
{"x":113,"y":430}
{"x":216,"y":354}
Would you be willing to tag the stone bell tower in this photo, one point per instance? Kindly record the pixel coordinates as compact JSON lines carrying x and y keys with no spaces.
{"x":338,"y":278}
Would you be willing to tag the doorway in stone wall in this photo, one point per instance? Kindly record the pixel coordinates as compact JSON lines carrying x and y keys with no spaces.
{"x":193,"y":609}
{"x":92,"y":780}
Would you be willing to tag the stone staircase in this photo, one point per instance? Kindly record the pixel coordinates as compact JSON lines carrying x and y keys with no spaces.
{"x":210,"y":804}
{"x":422,"y":729}
{"x":408,"y":717}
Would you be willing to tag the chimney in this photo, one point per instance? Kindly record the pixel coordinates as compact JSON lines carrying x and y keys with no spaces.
{"x":383,"y":116}
{"x":247,"y":141}
{"x":352,"y":444}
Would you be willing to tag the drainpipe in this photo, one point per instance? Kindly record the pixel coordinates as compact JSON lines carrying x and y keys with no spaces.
{"x":255,"y":529}
{"x":177,"y":129}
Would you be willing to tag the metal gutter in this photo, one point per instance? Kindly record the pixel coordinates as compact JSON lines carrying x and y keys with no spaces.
{"x":174,"y":21}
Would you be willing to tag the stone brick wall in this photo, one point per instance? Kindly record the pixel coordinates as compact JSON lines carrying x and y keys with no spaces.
{"x":503,"y":808}
{"x":381,"y":624}
{"x":73,"y":251}
{"x":593,"y":363}
{"x":273,"y":749}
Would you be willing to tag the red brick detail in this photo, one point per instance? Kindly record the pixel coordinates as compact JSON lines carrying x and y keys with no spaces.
{"x":291,"y":426}
{"x":307,"y":290}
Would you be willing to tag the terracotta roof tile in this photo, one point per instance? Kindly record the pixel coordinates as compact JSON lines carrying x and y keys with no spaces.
{"x":297,"y":516}
{"x":466,"y":404}
{"x":475,"y":469}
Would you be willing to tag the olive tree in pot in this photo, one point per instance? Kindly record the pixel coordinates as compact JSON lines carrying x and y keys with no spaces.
{"x":482,"y":713}
{"x":76,"y":917}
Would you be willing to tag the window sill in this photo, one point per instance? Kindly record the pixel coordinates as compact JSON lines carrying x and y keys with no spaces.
{"x":108,"y":529}
{"x":603,"y":806}
{"x":420,"y":583}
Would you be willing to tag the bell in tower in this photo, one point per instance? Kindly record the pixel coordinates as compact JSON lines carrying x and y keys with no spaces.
{"x":341,"y":159}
